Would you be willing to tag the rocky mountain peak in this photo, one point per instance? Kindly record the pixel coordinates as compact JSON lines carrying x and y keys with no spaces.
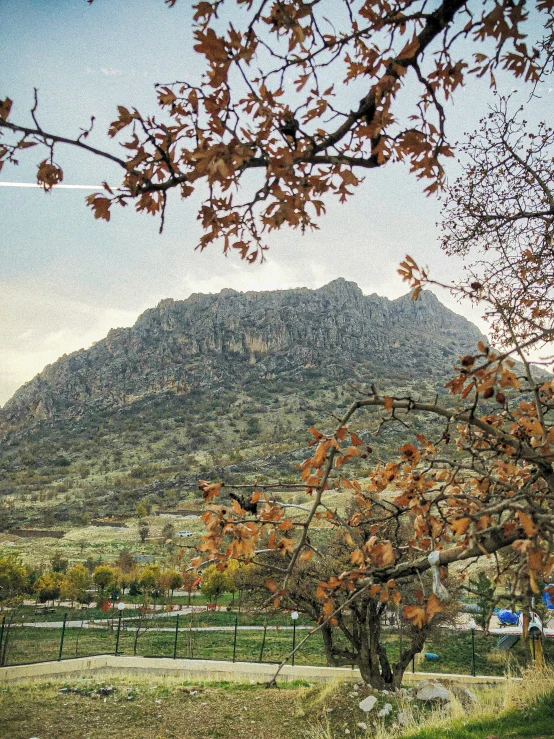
{"x":341,"y":289}
{"x":209,"y":342}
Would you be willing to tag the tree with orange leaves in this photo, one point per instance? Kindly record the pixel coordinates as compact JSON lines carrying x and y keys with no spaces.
{"x":269,"y":121}
{"x":299,"y":99}
{"x":484,"y":484}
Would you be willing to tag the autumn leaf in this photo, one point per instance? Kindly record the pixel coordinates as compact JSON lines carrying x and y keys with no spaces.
{"x":409,"y":51}
{"x":382,"y":554}
{"x":460,"y":525}
{"x":328,"y":607}
{"x":357,"y":558}
{"x":356,"y":441}
{"x":101,"y":206}
{"x":125,"y":118}
{"x":49,"y":174}
{"x":210,"y":490}
{"x":527,"y":523}
{"x":415,"y":614}
{"x":320,"y":455}
{"x":315,"y":433}
{"x":432,"y":607}
{"x":5,"y":108}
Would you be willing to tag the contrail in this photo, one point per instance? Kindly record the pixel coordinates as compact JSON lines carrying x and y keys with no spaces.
{"x":67,"y":187}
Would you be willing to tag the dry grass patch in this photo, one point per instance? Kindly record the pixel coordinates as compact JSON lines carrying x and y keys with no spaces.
{"x":150,"y":709}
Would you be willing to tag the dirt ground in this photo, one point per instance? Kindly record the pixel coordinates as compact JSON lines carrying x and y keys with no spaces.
{"x":88,"y":709}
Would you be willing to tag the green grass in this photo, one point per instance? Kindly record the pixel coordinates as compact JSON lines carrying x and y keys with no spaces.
{"x":29,"y":614}
{"x":33,"y":644}
{"x":30,"y":644}
{"x":535,"y":720}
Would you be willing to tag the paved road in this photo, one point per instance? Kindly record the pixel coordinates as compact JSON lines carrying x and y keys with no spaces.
{"x":183,"y":627}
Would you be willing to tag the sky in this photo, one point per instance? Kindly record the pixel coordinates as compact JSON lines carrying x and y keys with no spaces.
{"x":67,"y":279}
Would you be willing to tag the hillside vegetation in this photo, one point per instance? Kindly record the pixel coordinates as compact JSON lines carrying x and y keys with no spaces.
{"x":217,"y":386}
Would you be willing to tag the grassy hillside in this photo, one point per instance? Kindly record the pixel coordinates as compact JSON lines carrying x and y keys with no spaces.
{"x":63,"y":474}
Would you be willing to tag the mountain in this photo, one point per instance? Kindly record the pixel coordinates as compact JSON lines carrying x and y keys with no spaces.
{"x":215,"y":385}
{"x":231,"y":339}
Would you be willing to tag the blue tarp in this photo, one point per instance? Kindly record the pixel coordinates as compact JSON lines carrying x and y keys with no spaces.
{"x":547,"y":599}
{"x":508,"y":617}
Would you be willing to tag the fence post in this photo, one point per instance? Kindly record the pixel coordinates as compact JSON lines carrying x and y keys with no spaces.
{"x":235,"y":639}
{"x":118,"y":632}
{"x":263,"y":641}
{"x":294,"y":639}
{"x":176,"y":637}
{"x":63,"y":634}
{"x":2,"y":639}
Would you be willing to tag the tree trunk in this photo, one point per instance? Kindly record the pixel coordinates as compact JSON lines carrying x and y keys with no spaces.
{"x":366,"y":648}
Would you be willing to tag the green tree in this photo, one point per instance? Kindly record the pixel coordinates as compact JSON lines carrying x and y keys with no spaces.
{"x":103,"y":578}
{"x":253,"y":427}
{"x":149,"y":581}
{"x":76,"y":583}
{"x":143,"y":530}
{"x":484,"y":589}
{"x":168,"y":531}
{"x":215,"y":583}
{"x":58,"y":562}
{"x":190,"y":580}
{"x":169,"y":580}
{"x":13,"y":577}
{"x":48,"y":586}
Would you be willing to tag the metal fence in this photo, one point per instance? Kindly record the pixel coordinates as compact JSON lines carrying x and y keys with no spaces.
{"x":187,"y":636}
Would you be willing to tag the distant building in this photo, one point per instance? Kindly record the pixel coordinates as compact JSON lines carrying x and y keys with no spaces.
{"x":149,"y":558}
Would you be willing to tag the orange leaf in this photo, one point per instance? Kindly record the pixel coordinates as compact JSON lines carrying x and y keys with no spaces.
{"x":328,"y":607}
{"x":460,"y":526}
{"x":321,"y":453}
{"x":416,"y":614}
{"x":432,"y":607}
{"x":356,"y":439}
{"x":527,"y":523}
{"x":314,"y":432}
{"x":357,"y":558}
{"x":210,"y":490}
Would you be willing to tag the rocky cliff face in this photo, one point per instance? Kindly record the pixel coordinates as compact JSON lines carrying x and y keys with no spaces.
{"x":229,"y":339}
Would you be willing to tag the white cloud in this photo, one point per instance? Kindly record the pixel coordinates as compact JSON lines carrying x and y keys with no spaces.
{"x":111,"y":71}
{"x":37,"y":327}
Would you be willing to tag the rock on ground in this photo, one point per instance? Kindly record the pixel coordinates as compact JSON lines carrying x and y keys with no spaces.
{"x":368,"y":704}
{"x":432,"y":691}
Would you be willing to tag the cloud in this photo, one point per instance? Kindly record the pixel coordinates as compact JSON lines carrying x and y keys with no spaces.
{"x":111,"y":71}
{"x":38,"y":326}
